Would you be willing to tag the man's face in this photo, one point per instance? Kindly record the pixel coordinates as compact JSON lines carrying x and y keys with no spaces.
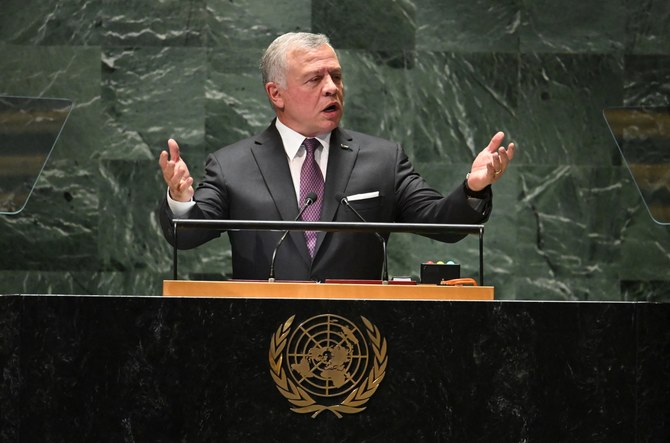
{"x":313,"y":100}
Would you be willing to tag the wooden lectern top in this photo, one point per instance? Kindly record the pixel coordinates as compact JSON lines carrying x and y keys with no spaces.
{"x":310,"y":290}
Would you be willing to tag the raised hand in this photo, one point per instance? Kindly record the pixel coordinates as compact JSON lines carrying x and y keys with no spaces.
{"x":175,"y":173}
{"x":490,"y":164}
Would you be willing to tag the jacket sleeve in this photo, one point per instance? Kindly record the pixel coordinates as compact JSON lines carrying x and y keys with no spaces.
{"x":417,"y":202}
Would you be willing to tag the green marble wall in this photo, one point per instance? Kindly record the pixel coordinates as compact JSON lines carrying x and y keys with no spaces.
{"x":439,"y":76}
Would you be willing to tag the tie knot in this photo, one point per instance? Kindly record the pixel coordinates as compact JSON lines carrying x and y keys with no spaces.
{"x":311,"y":144}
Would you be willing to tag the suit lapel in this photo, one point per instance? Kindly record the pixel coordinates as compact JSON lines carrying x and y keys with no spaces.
{"x":341,"y":160}
{"x":270,"y":156}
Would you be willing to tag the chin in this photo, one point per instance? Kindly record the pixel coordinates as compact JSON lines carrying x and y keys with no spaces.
{"x":331,"y":124}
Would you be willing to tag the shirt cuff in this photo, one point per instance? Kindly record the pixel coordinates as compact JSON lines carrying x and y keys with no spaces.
{"x":179,"y":209}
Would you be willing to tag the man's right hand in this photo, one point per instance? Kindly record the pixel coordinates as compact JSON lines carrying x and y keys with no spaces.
{"x":175,"y":173}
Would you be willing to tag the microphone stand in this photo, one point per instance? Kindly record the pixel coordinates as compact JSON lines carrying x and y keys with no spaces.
{"x":385,"y":274}
{"x":309,"y":200}
{"x":271,"y":278}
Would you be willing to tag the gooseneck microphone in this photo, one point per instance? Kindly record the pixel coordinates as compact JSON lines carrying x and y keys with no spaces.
{"x":309,"y":200}
{"x":345,"y":201}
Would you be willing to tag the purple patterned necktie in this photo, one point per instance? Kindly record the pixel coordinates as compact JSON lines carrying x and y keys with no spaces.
{"x":311,"y":180}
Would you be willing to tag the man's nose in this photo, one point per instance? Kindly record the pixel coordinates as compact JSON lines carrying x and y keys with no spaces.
{"x":329,"y":87}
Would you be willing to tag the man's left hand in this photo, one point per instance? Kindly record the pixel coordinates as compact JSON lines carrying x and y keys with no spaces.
{"x":490,"y":164}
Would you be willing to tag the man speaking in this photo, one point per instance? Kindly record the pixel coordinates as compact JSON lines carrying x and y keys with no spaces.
{"x":304,"y":162}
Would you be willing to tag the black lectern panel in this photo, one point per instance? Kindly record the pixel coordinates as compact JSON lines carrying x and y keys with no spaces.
{"x":122,"y":369}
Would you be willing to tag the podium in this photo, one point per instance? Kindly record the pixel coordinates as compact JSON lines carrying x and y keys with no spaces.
{"x":208,"y":368}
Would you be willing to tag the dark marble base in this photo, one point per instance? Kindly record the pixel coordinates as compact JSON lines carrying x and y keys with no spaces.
{"x":151,"y":369}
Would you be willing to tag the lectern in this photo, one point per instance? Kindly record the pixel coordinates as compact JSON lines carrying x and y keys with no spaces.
{"x":331,"y":357}
{"x":182,"y":368}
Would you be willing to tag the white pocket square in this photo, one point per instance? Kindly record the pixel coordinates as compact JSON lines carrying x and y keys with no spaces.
{"x":364,"y":196}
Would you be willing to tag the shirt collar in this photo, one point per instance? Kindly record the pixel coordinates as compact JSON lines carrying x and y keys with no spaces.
{"x":292,"y":140}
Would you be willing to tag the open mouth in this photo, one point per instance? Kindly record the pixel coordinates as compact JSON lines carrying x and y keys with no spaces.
{"x":332,"y":108}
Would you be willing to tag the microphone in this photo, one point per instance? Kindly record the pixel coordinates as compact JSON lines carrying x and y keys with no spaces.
{"x":345,"y":201}
{"x":309,"y":200}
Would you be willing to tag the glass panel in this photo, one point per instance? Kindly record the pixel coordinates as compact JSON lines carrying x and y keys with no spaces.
{"x":643,"y":137}
{"x":29,"y":128}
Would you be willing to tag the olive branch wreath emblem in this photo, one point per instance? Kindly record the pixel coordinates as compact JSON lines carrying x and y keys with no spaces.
{"x":301,"y":400}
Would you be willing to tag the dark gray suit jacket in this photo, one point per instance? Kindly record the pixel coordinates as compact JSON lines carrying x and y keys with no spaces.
{"x":251,"y":180}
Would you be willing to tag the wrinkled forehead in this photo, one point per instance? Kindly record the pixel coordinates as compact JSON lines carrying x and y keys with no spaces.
{"x":323,"y":56}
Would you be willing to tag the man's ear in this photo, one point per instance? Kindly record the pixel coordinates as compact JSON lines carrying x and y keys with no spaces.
{"x":274,"y":94}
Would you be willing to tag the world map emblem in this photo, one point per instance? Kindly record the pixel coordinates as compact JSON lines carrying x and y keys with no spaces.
{"x":327,"y":363}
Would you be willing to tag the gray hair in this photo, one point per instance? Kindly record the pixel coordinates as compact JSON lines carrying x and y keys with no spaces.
{"x":274,"y":61}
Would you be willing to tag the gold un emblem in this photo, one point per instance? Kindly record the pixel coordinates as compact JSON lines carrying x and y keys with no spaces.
{"x":327,"y":359}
